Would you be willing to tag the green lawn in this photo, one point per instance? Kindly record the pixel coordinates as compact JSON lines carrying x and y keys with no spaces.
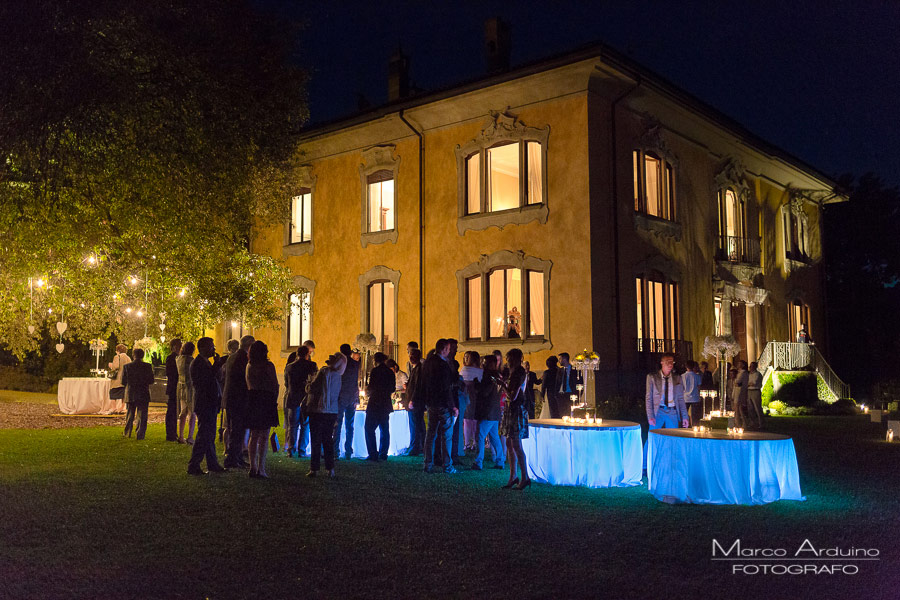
{"x":88,"y":514}
{"x":33,"y":397}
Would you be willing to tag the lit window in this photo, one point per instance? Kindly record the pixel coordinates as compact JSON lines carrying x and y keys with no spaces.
{"x":657,"y":309}
{"x":799,"y":317}
{"x":654,"y":185}
{"x":473,"y":298}
{"x":301,"y":217}
{"x":381,"y":312}
{"x":503,"y":167}
{"x":504,"y":297}
{"x":381,"y":201}
{"x":298,"y":320}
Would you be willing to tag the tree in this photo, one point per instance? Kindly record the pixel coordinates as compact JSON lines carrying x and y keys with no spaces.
{"x":863,"y":280}
{"x":139,"y":143}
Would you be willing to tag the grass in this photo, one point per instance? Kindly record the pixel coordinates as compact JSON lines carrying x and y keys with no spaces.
{"x":34,"y":397}
{"x":88,"y":514}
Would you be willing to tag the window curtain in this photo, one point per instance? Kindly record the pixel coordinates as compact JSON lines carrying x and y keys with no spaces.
{"x":474,"y":307}
{"x":535,"y":185}
{"x":497,"y":304}
{"x":536,"y":303}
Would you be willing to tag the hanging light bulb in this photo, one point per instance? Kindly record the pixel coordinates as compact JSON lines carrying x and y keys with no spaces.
{"x":133,"y":280}
{"x":128,"y":310}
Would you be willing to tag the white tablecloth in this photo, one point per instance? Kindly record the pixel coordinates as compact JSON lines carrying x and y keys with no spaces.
{"x":87,"y":396}
{"x":717,"y":468}
{"x":594,"y":456}
{"x":398,"y":425}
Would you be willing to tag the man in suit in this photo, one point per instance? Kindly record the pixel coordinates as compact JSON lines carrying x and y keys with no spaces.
{"x":382,"y":384}
{"x":171,"y":391}
{"x":207,"y":402}
{"x":664,"y":399}
{"x":439,"y":386}
{"x":348,"y":399}
{"x":137,"y":377}
{"x":234,"y":400}
{"x":567,"y":381}
{"x":416,"y":397}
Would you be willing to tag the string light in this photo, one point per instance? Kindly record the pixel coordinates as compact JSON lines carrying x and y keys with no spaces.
{"x":128,"y":310}
{"x":133,"y":280}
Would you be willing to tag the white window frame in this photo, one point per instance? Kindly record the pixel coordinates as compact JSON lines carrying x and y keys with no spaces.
{"x":504,"y":259}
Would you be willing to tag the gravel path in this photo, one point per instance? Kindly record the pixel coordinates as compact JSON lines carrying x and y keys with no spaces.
{"x":29,"y":415}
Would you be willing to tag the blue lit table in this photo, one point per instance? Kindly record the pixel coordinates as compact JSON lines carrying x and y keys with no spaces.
{"x":717,"y":468}
{"x":607,"y":455}
{"x":398,"y":424}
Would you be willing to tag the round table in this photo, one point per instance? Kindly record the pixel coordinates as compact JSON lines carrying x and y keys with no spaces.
{"x":719,"y":468}
{"x":87,"y":396}
{"x":399,"y":428}
{"x":606,"y":455}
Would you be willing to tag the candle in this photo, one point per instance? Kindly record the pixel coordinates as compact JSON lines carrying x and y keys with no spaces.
{"x":599,"y":421}
{"x":565,"y":418}
{"x":696,"y":429}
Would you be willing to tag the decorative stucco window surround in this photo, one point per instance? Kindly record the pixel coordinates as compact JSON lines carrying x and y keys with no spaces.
{"x":482,"y":269}
{"x":310,"y":286}
{"x":502,"y":128}
{"x":306,"y":183}
{"x":652,"y":143}
{"x":374,"y":275}
{"x":795,"y":227}
{"x":375,"y":159}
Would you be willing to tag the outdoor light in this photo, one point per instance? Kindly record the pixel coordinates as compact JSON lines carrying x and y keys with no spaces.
{"x":91,"y":259}
{"x":182,"y":293}
{"x":50,"y":311}
{"x":82,"y":305}
{"x":40,"y":283}
{"x":140,"y":313}
{"x":128,"y":310}
{"x":132,"y":280}
{"x":889,"y":437}
{"x":234,"y":324}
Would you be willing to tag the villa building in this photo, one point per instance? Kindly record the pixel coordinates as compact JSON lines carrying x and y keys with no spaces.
{"x":580,"y":202}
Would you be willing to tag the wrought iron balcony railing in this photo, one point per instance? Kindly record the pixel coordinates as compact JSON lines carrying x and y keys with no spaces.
{"x":738,"y":249}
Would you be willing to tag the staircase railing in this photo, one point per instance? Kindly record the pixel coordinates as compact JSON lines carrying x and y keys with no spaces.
{"x":791,"y":356}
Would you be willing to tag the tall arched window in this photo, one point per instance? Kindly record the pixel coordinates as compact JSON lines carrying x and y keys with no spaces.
{"x":654,"y":185}
{"x":658,"y":312}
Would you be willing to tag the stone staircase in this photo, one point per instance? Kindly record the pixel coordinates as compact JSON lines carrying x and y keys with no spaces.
{"x":790,"y":356}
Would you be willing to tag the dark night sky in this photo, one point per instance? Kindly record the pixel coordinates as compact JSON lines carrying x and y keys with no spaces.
{"x":819,"y":79}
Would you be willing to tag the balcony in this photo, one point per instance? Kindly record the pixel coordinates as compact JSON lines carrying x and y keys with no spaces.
{"x":738,"y":250}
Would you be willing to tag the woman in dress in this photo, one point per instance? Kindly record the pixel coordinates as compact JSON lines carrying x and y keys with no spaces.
{"x":470,"y":372}
{"x":514,"y":422}
{"x":185,"y":393}
{"x":262,"y":406}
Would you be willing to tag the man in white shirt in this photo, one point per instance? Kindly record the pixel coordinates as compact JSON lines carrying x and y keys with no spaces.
{"x":664,"y":399}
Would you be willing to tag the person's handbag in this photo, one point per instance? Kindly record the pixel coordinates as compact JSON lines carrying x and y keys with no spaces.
{"x":273,"y":440}
{"x":117,"y":393}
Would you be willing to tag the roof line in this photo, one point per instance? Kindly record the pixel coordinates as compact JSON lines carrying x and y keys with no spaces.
{"x":607,"y":55}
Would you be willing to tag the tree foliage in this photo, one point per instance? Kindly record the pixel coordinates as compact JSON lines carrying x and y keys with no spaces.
{"x":149,"y":136}
{"x":863,"y":281}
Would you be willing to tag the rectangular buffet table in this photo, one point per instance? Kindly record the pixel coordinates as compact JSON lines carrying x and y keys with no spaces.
{"x":398,"y":425}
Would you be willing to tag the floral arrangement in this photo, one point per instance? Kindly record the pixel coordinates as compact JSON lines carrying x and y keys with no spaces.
{"x":98,"y":345}
{"x":366,"y":342}
{"x":714,"y":345}
{"x":145,"y":343}
{"x":588,"y":359}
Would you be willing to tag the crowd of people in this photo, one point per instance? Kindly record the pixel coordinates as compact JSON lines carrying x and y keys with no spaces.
{"x":452,"y":408}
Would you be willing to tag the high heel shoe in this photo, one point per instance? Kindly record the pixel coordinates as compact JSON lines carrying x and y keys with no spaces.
{"x":509,"y":485}
{"x":524,"y":484}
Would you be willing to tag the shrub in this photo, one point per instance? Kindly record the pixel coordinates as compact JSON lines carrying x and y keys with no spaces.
{"x":13,"y":378}
{"x":823,"y":391}
{"x":797,"y":389}
{"x":777,"y":406}
{"x":767,"y":390}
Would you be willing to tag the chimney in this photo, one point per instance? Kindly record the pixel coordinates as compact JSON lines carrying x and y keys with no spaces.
{"x":496,"y":45}
{"x":398,"y":76}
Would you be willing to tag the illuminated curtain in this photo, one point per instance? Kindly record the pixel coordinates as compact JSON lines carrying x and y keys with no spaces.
{"x":473,"y":311}
{"x":536,"y":303}
{"x":504,"y":172}
{"x":535,"y":185}
{"x":497,"y":310}
{"x":473,"y":184}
